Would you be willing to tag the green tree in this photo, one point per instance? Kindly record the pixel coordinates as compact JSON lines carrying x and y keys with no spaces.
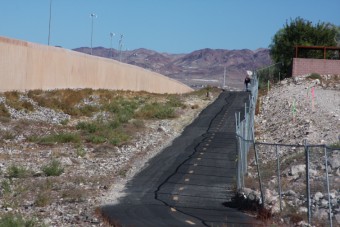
{"x":300,"y":32}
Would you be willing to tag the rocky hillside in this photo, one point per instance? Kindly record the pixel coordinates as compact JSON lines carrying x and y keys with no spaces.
{"x":205,"y":64}
{"x":294,"y":111}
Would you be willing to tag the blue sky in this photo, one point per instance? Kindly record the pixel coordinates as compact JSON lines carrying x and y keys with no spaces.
{"x":173,"y":26}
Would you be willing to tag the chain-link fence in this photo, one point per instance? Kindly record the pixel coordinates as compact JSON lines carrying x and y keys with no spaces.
{"x":299,"y":181}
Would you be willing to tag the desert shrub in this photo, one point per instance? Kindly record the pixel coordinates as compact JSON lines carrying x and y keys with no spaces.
{"x":27,"y":106}
{"x":97,"y":139}
{"x":13,"y":100}
{"x":4,"y":111}
{"x":100,"y":132}
{"x":175,"y":101}
{"x":335,"y":145}
{"x":80,"y":151}
{"x":6,"y":186}
{"x":138,"y":123}
{"x":123,"y":109}
{"x":88,"y":110}
{"x":56,"y":138}
{"x":17,"y":171}
{"x":64,"y":122}
{"x":118,"y":137}
{"x":90,"y":127}
{"x":66,"y":100}
{"x":43,"y":199}
{"x":54,"y":168}
{"x":156,"y":111}
{"x":195,"y":106}
{"x":7,"y":135}
{"x":15,"y":220}
{"x":314,"y":76}
{"x":74,"y":195}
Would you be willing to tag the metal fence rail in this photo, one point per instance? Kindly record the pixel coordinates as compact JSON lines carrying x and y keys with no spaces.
{"x":297,"y":181}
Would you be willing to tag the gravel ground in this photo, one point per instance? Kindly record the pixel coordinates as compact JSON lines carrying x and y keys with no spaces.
{"x":93,"y":174}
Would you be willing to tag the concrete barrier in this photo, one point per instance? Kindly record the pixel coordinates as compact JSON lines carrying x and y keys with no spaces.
{"x":27,"y":66}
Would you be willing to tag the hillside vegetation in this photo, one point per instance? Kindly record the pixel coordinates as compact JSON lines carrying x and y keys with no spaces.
{"x":62,"y":150}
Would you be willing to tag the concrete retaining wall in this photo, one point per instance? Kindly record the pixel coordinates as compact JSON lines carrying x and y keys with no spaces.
{"x":27,"y":66}
{"x":303,"y":66}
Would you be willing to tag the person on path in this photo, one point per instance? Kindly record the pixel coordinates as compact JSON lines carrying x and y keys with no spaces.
{"x":247,"y":81}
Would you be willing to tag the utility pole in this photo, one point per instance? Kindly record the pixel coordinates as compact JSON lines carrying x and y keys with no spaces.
{"x":120,"y":47}
{"x":92,"y":16}
{"x":111,"y":51}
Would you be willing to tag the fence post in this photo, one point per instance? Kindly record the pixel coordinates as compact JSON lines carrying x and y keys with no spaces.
{"x":245,"y":134}
{"x":278,"y":176}
{"x":259,"y":174}
{"x":329,"y":197}
{"x":307,"y":183}
{"x":238,"y":151}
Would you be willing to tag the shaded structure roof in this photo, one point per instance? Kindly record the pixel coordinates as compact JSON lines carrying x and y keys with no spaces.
{"x":322,"y":49}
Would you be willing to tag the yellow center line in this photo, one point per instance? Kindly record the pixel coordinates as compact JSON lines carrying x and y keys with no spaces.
{"x":190,"y":222}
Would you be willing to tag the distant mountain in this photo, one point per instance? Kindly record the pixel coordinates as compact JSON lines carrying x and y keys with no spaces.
{"x":206,"y":64}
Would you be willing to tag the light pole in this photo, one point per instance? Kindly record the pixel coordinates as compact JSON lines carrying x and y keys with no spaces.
{"x":49,"y":24}
{"x":111,"y":35}
{"x":120,"y":47}
{"x":92,"y":16}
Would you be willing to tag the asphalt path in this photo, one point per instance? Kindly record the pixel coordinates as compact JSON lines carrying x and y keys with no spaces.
{"x":187,"y":183}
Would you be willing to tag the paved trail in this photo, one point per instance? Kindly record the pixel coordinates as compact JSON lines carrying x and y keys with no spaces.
{"x":187,"y":182}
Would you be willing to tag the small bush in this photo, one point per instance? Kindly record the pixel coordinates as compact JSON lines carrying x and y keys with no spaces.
{"x":156,"y":111}
{"x":138,"y":123}
{"x":87,"y":110}
{"x":4,"y":119}
{"x":13,"y":100}
{"x":64,"y":122}
{"x":6,"y":186}
{"x":4,"y":111}
{"x":96,"y":139}
{"x":335,"y":145}
{"x":7,"y":135}
{"x":314,"y":76}
{"x":74,"y":195}
{"x":17,"y":172}
{"x":27,"y":106}
{"x":118,"y":137}
{"x":80,"y":152}
{"x":195,"y":106}
{"x":123,"y":109}
{"x":11,"y":220}
{"x":175,"y":101}
{"x":56,"y":138}
{"x":89,"y":127}
{"x":54,"y":168}
{"x":43,"y":199}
